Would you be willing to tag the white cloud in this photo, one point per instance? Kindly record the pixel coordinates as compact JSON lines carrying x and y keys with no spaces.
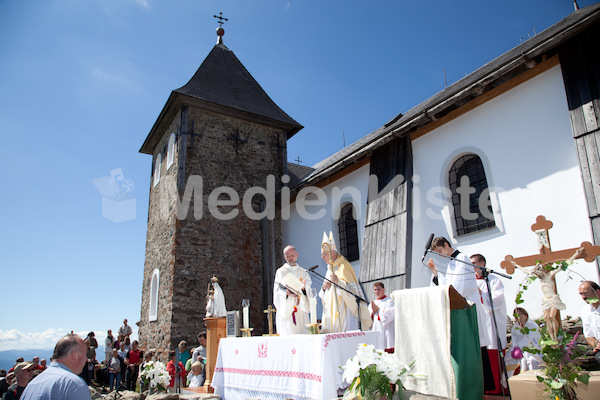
{"x":16,"y":340}
{"x":143,"y":3}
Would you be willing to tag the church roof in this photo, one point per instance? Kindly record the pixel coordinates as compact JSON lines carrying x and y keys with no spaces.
{"x":493,"y":74}
{"x":223,"y":81}
{"x":297,"y":173}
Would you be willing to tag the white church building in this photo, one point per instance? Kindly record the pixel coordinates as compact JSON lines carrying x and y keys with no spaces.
{"x":523,"y":128}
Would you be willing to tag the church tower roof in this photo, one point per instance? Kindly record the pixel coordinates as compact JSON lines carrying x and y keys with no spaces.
{"x":222,"y":82}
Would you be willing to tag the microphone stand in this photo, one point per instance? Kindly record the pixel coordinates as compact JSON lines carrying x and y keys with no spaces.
{"x":485,"y":272}
{"x":356,"y":297}
{"x":177,"y":372}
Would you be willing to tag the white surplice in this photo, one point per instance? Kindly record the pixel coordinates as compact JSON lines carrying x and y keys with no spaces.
{"x":497,"y":289}
{"x":289,"y":320}
{"x":383,"y":320}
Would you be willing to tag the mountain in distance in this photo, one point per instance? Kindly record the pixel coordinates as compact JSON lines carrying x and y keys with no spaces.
{"x":8,"y":357}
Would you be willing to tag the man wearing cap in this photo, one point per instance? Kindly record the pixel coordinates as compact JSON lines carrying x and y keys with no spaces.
{"x":60,"y":380}
{"x":23,"y":372}
{"x":340,"y":312}
{"x":36,"y":364}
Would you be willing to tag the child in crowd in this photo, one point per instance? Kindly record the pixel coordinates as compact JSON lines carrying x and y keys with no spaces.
{"x":196,"y":376}
{"x":176,"y":371}
{"x":147,"y":358}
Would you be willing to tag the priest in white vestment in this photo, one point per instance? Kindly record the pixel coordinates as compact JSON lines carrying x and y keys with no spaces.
{"x":497,"y":289}
{"x":499,"y":310}
{"x":292,"y":284}
{"x":382,"y":314}
{"x":462,"y":277}
{"x":340,"y":311}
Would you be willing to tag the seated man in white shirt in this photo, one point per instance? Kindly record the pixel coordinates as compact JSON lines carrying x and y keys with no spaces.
{"x":590,"y":313}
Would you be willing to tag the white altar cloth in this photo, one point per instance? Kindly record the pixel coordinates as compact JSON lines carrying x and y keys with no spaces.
{"x":283,"y":367}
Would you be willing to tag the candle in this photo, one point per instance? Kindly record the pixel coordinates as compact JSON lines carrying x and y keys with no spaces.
{"x":246,"y":317}
{"x":313,"y":310}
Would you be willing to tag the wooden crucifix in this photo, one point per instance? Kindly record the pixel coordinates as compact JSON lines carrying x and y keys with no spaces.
{"x":551,"y":304}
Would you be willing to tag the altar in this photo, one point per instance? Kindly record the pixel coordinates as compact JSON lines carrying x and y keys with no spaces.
{"x":283,"y":367}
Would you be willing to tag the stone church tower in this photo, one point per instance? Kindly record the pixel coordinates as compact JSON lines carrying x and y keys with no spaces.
{"x":216,"y":138}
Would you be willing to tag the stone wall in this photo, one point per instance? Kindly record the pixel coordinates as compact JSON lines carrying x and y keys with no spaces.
{"x":160,"y":251}
{"x":187,"y":250}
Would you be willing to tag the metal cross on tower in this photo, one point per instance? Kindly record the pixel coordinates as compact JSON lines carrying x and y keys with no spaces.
{"x":220,"y":18}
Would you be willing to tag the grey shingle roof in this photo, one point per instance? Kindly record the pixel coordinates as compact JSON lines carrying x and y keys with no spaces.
{"x":222,"y":83}
{"x":297,"y":172}
{"x":223,"y":80}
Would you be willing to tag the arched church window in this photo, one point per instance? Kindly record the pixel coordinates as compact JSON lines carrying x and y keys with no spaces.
{"x":470,"y":195}
{"x":153,"y":309}
{"x":157,"y":169}
{"x":348,"y":233}
{"x":171,"y":150}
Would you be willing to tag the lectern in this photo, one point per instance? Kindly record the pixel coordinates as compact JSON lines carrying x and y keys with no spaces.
{"x":216,"y":328}
{"x":437,"y":328}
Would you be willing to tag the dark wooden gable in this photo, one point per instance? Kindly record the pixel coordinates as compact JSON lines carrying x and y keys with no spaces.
{"x":387,"y":242}
{"x":580,"y":63}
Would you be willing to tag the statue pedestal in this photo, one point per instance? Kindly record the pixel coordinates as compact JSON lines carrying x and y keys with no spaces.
{"x":216,"y":328}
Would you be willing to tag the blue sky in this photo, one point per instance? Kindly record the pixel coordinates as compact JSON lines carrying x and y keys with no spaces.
{"x":83,"y":81}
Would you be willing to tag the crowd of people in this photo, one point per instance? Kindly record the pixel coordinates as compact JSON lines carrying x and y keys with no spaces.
{"x":74,"y":367}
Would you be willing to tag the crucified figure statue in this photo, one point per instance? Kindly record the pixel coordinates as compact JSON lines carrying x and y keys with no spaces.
{"x":551,"y":304}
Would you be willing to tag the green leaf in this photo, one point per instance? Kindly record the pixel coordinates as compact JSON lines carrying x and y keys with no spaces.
{"x":532,"y":350}
{"x":556,"y":384}
{"x":584,"y":378}
{"x":539,"y":378}
{"x":548,"y":342}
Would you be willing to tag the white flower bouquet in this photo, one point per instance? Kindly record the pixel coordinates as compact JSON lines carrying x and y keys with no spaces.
{"x":155,"y":375}
{"x":374,"y":373}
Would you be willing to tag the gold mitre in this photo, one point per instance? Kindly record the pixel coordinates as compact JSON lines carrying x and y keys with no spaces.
{"x":328,"y":243}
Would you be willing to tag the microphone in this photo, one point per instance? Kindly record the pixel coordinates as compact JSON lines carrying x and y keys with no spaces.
{"x":427,"y":246}
{"x":313,"y":268}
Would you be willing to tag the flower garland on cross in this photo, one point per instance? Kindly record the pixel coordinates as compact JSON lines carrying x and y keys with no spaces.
{"x":546,"y":265}
{"x":559,"y":349}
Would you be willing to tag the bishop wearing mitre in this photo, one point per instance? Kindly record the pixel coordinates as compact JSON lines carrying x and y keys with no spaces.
{"x":340,"y":311}
{"x":292,"y":284}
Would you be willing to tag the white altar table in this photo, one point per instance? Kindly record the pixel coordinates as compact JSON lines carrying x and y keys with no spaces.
{"x":283,"y":367}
